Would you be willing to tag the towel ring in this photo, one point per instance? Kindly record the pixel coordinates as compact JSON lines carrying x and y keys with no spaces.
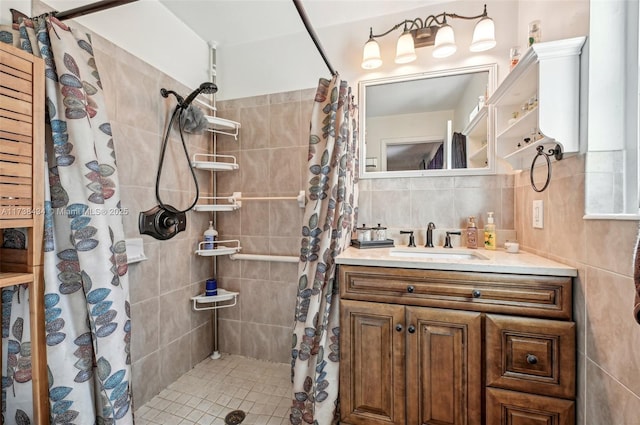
{"x":556,"y":152}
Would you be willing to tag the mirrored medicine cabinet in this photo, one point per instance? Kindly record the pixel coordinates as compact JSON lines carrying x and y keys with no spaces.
{"x":428,"y":124}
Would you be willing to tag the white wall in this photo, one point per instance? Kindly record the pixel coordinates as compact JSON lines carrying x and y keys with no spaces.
{"x":148,"y":30}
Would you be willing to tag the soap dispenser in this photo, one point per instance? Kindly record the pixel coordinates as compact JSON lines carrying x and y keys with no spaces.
{"x":490,"y":233}
{"x":472,"y":233}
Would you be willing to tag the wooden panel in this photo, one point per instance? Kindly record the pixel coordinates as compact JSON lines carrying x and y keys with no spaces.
{"x":522,"y":295}
{"x":16,"y":62}
{"x":444,"y":375}
{"x":20,"y":107}
{"x":531,"y":355}
{"x":514,"y":408}
{"x":38,"y":348}
{"x":22,"y":196}
{"x":372,"y":385}
{"x":10,"y":279}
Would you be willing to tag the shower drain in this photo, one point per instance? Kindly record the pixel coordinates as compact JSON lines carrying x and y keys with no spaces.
{"x":235,"y":417}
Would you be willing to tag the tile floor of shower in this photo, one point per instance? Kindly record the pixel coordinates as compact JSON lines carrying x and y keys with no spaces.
{"x":214,"y":388}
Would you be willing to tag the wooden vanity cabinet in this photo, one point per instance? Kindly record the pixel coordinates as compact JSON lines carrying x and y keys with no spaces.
{"x":442,"y":347}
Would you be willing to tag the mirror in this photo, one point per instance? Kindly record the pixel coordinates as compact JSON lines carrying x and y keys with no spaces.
{"x":429,"y":124}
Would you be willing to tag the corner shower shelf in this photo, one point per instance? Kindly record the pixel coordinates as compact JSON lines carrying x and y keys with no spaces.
{"x":219,"y":248}
{"x":223,"y":296}
{"x":223,"y":126}
{"x":232,"y":204}
{"x":214,"y":162}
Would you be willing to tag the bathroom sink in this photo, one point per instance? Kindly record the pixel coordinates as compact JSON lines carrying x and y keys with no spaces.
{"x":438,"y":254}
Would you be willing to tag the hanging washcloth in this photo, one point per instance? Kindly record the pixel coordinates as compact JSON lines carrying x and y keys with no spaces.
{"x":192,"y":120}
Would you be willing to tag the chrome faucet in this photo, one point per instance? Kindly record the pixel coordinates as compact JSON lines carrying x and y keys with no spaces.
{"x":430,"y":228}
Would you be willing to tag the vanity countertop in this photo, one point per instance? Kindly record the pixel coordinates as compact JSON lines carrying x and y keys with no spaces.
{"x":498,"y":261}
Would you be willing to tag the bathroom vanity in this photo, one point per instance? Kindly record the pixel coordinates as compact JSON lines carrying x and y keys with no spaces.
{"x":441,"y":336}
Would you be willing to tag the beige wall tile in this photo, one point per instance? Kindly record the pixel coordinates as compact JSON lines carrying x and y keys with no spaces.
{"x":610,"y":245}
{"x":144,"y":277}
{"x":175,"y":359}
{"x":255,"y":127}
{"x":266,"y":342}
{"x":229,"y":335}
{"x":146,"y":378}
{"x":201,"y":343}
{"x":612,"y":333}
{"x":255,"y":171}
{"x":270,"y":303}
{"x":175,"y":316}
{"x":284,"y":173}
{"x":284,"y":124}
{"x":145,"y":329}
{"x":285,"y":218}
{"x":608,"y":402}
{"x":255,"y":218}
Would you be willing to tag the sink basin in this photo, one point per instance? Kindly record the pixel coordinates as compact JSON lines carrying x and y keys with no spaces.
{"x":438,"y":254}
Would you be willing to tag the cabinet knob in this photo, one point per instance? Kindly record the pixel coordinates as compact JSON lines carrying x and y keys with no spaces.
{"x":399,"y":327}
{"x":531,"y":359}
{"x":410,"y":289}
{"x":476,"y":293}
{"x":411,"y":329}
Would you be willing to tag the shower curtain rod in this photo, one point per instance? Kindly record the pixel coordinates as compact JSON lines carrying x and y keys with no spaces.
{"x":312,"y":34}
{"x":90,"y":8}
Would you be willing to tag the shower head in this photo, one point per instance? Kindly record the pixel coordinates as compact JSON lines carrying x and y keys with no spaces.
{"x":206,"y":88}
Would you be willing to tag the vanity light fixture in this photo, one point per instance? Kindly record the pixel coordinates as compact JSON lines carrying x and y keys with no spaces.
{"x":432,"y":31}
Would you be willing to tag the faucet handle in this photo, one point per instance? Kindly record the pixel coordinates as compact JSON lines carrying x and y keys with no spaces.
{"x":412,"y":242}
{"x":447,"y":239}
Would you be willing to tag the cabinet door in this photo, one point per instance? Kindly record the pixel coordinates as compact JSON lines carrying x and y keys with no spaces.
{"x":444,"y":365}
{"x":372,"y":384}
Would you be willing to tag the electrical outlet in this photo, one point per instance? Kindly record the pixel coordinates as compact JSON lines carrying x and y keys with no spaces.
{"x":538,"y":214}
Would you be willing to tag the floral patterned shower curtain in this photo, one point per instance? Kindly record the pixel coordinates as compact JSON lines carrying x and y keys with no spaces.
{"x":86,"y":285}
{"x":329,"y":218}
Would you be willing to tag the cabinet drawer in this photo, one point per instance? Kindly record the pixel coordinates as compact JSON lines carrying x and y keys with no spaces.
{"x":531,"y":355}
{"x":514,"y":408}
{"x":524,"y":295}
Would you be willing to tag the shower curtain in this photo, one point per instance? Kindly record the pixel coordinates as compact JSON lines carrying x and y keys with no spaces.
{"x":87,"y":311}
{"x":330,"y":216}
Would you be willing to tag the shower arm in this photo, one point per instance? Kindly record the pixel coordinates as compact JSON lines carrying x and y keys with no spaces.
{"x":166,"y":93}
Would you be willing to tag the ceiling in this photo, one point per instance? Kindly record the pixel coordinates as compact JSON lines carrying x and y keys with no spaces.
{"x":229,"y":22}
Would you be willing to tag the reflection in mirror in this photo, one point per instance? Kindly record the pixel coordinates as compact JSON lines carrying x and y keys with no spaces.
{"x":433,"y":123}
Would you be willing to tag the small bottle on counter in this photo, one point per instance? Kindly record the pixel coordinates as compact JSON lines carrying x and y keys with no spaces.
{"x":472,"y":233}
{"x":490,"y":233}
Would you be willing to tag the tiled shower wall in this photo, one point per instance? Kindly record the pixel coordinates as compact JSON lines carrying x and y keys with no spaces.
{"x":602,"y":251}
{"x":272,"y":156}
{"x":168,"y":338}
